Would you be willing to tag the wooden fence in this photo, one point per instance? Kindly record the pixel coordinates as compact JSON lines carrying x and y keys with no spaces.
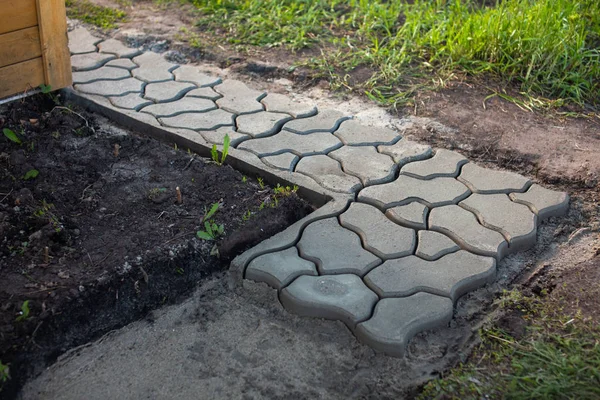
{"x":33,"y":46}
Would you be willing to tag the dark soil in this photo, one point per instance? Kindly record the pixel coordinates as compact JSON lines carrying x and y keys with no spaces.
{"x":97,"y":239}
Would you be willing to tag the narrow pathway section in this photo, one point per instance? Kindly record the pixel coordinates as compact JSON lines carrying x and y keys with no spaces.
{"x":407,"y":230}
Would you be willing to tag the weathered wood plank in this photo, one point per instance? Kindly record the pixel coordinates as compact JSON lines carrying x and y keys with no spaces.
{"x":17,"y":14}
{"x":18,"y":46}
{"x":54,"y":42}
{"x":17,"y":78}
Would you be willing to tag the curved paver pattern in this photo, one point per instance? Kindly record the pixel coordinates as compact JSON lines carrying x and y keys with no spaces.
{"x":466,"y":217}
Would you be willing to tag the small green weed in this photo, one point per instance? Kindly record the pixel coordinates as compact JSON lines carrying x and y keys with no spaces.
{"x":212,"y":230}
{"x":244,"y":179}
{"x":24,"y":314}
{"x":100,"y":16}
{"x":46,"y":211}
{"x":247,"y":215}
{"x":261,"y":183}
{"x":215,"y":154}
{"x":11,"y":135}
{"x":31,"y":174}
{"x":285,"y":191}
{"x":4,"y":373}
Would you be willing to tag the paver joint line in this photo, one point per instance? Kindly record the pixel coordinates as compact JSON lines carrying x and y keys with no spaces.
{"x":408,"y":230}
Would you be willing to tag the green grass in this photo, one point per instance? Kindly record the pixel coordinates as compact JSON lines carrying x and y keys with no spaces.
{"x":548,"y":48}
{"x":102,"y":17}
{"x":558,"y":358}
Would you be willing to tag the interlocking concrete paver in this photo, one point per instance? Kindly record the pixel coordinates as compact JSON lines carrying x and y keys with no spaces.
{"x":544,"y":202}
{"x":205,"y":93}
{"x":496,"y":211}
{"x":283,"y":161}
{"x":413,"y":215}
{"x":89,"y":61}
{"x":280,"y":268}
{"x":192,"y":74}
{"x":112,"y":88}
{"x":406,"y":151}
{"x":484,"y":180}
{"x":328,"y":173}
{"x":433,"y":245}
{"x":239,"y":98}
{"x":101,"y":74}
{"x":396,"y":321}
{"x":81,"y":41}
{"x":124,"y":63}
{"x":113,"y":46}
{"x":379,"y":235}
{"x":186,"y":104}
{"x":276,"y":102}
{"x":168,"y":91}
{"x":261,"y":124}
{"x":210,"y":120}
{"x":335,"y":249}
{"x":341,"y":297}
{"x":153,"y":68}
{"x":462,"y":226}
{"x":324,"y":121}
{"x":133,"y":101}
{"x":451,"y":276}
{"x":434,"y":193}
{"x":217,"y":136}
{"x":353,"y":133}
{"x":443,"y":163}
{"x":365,"y":163}
{"x":316,"y":143}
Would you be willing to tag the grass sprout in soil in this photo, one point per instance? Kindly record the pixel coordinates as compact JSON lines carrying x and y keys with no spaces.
{"x":106,"y":230}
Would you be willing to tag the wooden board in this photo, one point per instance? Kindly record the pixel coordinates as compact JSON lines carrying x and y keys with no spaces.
{"x":54,"y":43}
{"x":17,"y":14}
{"x":19,"y":46}
{"x":21,"y":77}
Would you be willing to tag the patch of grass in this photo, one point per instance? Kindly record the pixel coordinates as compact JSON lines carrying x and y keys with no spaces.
{"x":548,"y":48}
{"x":557,"y":358}
{"x":100,"y":16}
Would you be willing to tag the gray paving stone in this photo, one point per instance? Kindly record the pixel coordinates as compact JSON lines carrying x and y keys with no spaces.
{"x":100,"y":74}
{"x":153,"y":68}
{"x":433,"y":245}
{"x":186,"y":104}
{"x":413,"y":215}
{"x":379,"y":235}
{"x":353,"y":133}
{"x":218,"y":135}
{"x":434,"y":192}
{"x":124,"y":63}
{"x":280,"y":268}
{"x":341,"y":297}
{"x":239,"y":98}
{"x":285,"y":161}
{"x":324,"y":121}
{"x":192,"y":74}
{"x":484,"y":180}
{"x":443,"y":163}
{"x":163,"y":92}
{"x":451,"y":276}
{"x":113,"y":46}
{"x":328,"y":173}
{"x":396,"y":321}
{"x":207,"y":121}
{"x":316,"y":143}
{"x":133,"y":101}
{"x":204,"y":92}
{"x":462,"y":226}
{"x":111,"y":88}
{"x":89,"y":61}
{"x":366,"y":163}
{"x":261,"y":124}
{"x":335,"y":249}
{"x":406,"y":151}
{"x":544,"y":202}
{"x":82,"y":41}
{"x":279,"y":103}
{"x":515,"y":221}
